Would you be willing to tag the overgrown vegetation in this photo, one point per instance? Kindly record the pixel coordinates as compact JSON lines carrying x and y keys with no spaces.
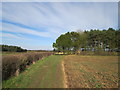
{"x":12,"y":65}
{"x":11,"y":48}
{"x":93,"y":40}
{"x":46,"y":73}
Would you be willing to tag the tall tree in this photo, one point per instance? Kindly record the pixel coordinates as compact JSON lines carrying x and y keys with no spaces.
{"x":96,"y":40}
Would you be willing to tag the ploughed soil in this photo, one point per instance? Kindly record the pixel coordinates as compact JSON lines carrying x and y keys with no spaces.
{"x":91,"y":71}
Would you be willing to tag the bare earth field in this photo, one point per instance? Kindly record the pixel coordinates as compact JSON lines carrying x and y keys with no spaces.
{"x":68,"y":71}
{"x":91,"y":71}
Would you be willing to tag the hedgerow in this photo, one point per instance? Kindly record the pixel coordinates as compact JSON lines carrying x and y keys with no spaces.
{"x":12,"y":65}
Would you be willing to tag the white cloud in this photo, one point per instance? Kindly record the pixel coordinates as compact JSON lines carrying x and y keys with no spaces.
{"x":54,"y":19}
{"x":10,"y":35}
{"x":14,"y":28}
{"x":61,"y":15}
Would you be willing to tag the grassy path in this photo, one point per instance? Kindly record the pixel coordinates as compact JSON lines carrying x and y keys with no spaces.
{"x":46,"y":73}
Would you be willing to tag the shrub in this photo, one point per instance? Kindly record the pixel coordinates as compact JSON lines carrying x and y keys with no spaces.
{"x":19,"y":62}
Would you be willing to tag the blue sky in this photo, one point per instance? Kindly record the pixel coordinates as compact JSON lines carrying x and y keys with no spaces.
{"x":37,"y":25}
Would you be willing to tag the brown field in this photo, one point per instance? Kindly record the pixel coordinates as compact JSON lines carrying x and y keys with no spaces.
{"x":91,"y":71}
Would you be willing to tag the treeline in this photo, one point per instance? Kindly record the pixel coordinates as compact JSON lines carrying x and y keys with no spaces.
{"x":12,"y":48}
{"x":39,"y":50}
{"x":93,"y":40}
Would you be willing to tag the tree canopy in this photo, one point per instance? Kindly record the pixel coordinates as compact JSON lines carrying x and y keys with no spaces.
{"x":12,"y":48}
{"x":93,"y":40}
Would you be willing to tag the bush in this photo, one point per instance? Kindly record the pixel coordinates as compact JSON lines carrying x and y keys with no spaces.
{"x":13,"y":64}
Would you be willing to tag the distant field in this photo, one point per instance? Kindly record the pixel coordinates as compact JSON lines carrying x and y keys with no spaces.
{"x":91,"y":71}
{"x":6,"y":53}
{"x":11,"y":53}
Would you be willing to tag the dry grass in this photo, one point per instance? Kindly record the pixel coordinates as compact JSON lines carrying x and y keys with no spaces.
{"x":99,"y":53}
{"x":44,"y":74}
{"x":91,"y":71}
{"x":12,"y":64}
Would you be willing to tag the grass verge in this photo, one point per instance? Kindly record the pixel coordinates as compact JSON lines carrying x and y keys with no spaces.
{"x":46,"y":73}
